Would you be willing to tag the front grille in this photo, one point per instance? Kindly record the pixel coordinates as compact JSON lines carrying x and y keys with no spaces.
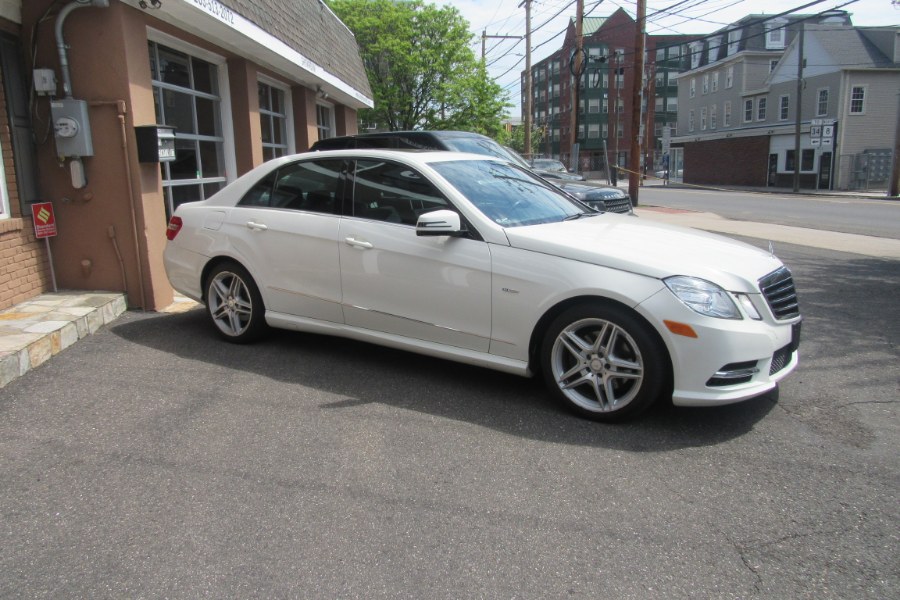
{"x":778,"y":290}
{"x":614,"y":205}
{"x":780,"y":359}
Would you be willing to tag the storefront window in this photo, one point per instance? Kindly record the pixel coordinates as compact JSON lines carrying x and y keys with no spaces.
{"x":325,"y":121}
{"x":186,"y":96}
{"x":272,"y":121}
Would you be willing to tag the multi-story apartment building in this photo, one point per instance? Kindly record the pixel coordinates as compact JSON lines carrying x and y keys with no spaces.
{"x":738,"y":103}
{"x":603,"y":117}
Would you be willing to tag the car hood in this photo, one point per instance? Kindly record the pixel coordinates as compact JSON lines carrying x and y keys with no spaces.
{"x":584,"y":187}
{"x":653,"y":249}
{"x":561,"y":175}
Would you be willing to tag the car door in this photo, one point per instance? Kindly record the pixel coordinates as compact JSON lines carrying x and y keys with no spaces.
{"x":435,"y":289}
{"x":286,"y":227}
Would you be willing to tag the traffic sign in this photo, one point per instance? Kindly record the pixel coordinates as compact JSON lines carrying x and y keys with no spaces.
{"x":44,"y":219}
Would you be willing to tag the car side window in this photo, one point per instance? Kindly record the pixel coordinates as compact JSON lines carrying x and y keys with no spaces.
{"x":311,"y":185}
{"x":392,"y":192}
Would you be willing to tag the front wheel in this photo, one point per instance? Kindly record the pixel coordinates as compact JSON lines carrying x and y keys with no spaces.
{"x":234,"y":304}
{"x":603,"y":362}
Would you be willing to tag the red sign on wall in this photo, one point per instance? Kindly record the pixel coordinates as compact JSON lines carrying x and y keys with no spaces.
{"x":44,"y":220}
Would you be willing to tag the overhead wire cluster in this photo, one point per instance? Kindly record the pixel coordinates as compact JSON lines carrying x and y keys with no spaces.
{"x":687,"y":10}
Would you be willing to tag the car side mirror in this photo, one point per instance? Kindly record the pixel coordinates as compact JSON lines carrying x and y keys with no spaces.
{"x":439,"y":222}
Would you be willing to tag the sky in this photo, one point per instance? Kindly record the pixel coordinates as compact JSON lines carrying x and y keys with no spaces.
{"x":549,"y":18}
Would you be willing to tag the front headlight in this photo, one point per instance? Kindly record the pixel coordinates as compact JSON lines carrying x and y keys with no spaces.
{"x":703,"y":297}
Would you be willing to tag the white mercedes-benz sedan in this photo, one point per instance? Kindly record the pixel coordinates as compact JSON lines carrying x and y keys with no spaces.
{"x":472,"y":259}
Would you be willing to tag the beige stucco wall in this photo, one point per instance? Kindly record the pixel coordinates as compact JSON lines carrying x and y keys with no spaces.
{"x":121,"y":210}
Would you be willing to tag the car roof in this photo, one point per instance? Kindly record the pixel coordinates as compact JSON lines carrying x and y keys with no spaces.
{"x":411,"y":155}
{"x":433,"y":132}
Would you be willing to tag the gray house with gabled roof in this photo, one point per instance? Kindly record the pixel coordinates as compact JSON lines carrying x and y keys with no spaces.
{"x":737,"y":104}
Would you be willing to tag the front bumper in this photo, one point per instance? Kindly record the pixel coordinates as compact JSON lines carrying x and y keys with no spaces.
{"x":729,"y":360}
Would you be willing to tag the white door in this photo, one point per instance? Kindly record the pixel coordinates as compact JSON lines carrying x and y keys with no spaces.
{"x":435,"y":289}
{"x":286,"y":228}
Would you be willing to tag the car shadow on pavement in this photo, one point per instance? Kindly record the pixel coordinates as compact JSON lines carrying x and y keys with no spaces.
{"x":356,"y":374}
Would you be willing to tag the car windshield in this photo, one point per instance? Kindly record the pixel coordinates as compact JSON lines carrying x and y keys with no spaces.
{"x":506,"y":194}
{"x":549,"y":165}
{"x":486,"y":146}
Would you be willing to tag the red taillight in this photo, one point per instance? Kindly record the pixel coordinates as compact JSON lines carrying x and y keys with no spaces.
{"x":173,"y":228}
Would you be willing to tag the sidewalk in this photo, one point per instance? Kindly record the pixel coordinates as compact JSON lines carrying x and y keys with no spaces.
{"x":875,"y":247}
{"x":35,"y":330}
{"x":656,"y":182}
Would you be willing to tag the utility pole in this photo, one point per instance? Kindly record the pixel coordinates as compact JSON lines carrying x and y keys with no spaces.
{"x":634,"y":157}
{"x":894,"y":185}
{"x":614,"y":85}
{"x":798,"y":111}
{"x":650,"y":90}
{"x":576,"y":84}
{"x":528,"y":86}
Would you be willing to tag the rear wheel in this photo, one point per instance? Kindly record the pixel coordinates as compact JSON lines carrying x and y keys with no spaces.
{"x":603,"y":362}
{"x":234,"y":304}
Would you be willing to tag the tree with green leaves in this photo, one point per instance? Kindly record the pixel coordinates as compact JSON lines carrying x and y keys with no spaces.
{"x":423,"y":73}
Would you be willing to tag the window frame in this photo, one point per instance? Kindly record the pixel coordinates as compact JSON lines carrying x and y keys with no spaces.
{"x":762,"y":105}
{"x":819,"y":111}
{"x":229,"y":158}
{"x":748,"y":110}
{"x":288,"y":116}
{"x":862,"y":100}
{"x":784,"y":107}
{"x":775,"y":34}
{"x":331,"y":127}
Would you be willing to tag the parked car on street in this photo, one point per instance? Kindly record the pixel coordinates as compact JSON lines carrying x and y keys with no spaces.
{"x":474,"y":259}
{"x":551,"y":168}
{"x":599,"y":197}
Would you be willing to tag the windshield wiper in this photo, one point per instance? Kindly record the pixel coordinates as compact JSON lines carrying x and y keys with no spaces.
{"x":577,"y":216}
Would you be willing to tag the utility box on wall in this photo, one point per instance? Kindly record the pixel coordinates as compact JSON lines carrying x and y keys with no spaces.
{"x":71,"y":128}
{"x":155,"y":143}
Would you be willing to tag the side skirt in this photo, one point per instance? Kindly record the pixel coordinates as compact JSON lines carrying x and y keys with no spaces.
{"x":469,"y":357}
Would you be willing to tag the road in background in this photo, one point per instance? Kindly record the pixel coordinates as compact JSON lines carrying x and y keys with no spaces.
{"x":863,"y":216}
{"x":154,"y":460}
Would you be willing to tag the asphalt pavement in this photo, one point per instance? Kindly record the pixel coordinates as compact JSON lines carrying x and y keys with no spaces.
{"x":150,"y":460}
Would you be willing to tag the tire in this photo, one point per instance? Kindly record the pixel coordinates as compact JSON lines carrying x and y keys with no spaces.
{"x":603,"y":362}
{"x":234,"y":304}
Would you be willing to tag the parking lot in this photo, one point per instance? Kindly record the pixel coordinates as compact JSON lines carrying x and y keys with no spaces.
{"x":153,"y":460}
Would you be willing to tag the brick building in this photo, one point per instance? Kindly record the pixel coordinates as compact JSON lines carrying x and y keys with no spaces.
{"x":240,"y":82}
{"x":606,"y":84}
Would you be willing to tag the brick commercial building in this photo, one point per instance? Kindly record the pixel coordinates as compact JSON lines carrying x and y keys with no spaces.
{"x":605,"y":92}
{"x":85,"y":84}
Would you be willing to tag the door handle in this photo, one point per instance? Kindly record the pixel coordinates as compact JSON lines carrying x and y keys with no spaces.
{"x":257,"y":226}
{"x":361,"y":244}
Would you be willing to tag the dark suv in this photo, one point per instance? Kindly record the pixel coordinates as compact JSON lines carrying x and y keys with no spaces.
{"x":598,"y":197}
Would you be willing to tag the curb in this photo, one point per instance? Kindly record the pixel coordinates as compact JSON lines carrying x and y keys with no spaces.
{"x":34,"y":331}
